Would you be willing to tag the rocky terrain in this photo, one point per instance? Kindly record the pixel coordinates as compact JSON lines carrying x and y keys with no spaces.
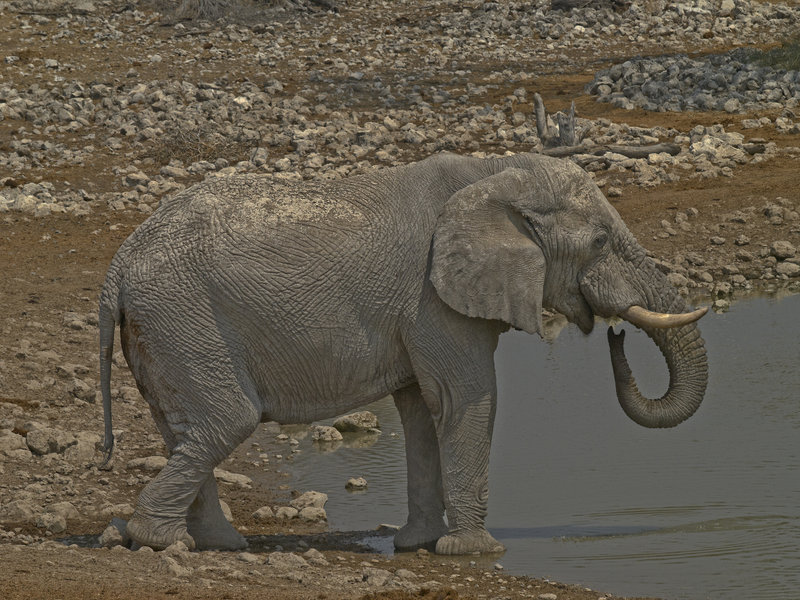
{"x":108,"y":107}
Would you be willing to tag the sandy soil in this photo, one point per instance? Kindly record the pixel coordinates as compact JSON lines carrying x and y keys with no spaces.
{"x":53,"y":268}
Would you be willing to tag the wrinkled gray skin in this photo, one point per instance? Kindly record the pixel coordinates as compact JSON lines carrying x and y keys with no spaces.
{"x":243,"y":300}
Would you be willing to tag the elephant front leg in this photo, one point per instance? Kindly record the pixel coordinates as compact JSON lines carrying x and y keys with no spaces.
{"x":425,"y":499}
{"x":464,"y":440}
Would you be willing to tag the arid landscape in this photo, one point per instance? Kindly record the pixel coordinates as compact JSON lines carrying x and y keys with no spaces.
{"x":107,"y":107}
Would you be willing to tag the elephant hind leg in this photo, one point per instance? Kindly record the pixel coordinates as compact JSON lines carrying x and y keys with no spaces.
{"x":207,"y":523}
{"x":202,"y":422}
{"x":182,"y":501}
{"x":425,"y":497}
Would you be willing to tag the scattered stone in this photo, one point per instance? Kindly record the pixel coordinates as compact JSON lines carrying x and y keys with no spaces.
{"x":170,"y":566}
{"x":312,"y":514}
{"x":49,"y":440}
{"x":148,"y":463}
{"x":286,"y":561}
{"x":406,"y":574}
{"x":263,"y":514}
{"x":52,"y":522}
{"x":237,"y":479}
{"x":176,"y":548}
{"x":309,"y":499}
{"x":248,"y":557}
{"x":115,"y":534}
{"x":356,"y":484}
{"x":323,"y":433}
{"x":286,"y":513}
{"x":357,"y":422}
{"x":788,"y":269}
{"x":782,"y":250}
{"x":376,"y":577}
{"x":315,"y":557}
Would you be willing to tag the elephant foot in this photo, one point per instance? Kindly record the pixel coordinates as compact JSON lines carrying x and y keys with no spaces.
{"x":158,"y":533}
{"x":469,"y":542}
{"x":420,"y":534}
{"x":218,"y":535}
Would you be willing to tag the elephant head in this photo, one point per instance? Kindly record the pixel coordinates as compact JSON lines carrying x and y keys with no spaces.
{"x":545,"y":237}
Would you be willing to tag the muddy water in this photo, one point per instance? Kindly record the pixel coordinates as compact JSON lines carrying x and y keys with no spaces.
{"x":581,"y":494}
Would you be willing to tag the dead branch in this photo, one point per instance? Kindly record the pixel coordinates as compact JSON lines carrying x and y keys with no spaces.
{"x":628,"y":151}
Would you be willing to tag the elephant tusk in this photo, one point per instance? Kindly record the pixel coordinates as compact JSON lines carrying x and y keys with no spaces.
{"x":642,"y":317}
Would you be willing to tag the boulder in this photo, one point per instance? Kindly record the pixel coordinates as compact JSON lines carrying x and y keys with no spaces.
{"x":355,"y":484}
{"x":309,"y":499}
{"x":357,"y":422}
{"x":323,"y":433}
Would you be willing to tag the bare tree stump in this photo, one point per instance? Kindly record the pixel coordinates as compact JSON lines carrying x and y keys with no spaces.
{"x":561,"y":132}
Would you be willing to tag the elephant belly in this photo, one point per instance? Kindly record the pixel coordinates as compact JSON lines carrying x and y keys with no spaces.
{"x":298,"y":381}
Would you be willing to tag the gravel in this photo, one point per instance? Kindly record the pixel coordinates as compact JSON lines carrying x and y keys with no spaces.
{"x":387,"y":96}
{"x":732,"y":82}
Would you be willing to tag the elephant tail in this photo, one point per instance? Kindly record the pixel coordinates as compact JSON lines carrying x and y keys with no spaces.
{"x":109,"y":316}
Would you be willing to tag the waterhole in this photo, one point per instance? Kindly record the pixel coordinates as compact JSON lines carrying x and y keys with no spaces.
{"x":580,"y":494}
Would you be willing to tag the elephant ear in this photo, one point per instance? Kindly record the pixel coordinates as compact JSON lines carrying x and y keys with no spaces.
{"x":485,"y":263}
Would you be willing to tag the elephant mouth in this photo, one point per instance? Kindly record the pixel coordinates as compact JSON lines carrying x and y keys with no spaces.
{"x":582,"y":315}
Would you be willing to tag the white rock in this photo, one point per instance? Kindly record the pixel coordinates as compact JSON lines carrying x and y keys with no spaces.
{"x":148,"y":463}
{"x":171,"y":566}
{"x":52,"y":522}
{"x":357,"y":422}
{"x":264,"y":513}
{"x":115,"y":534}
{"x":356,"y":483}
{"x":313,"y":499}
{"x":315,"y":557}
{"x":286,"y":561}
{"x":286,"y":512}
{"x":323,"y":433}
{"x":238,"y":479}
{"x":313,"y":514}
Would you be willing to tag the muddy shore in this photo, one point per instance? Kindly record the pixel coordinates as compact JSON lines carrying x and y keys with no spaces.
{"x":92,"y":136}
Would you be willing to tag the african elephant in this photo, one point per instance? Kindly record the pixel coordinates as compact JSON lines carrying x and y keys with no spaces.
{"x":245,"y":299}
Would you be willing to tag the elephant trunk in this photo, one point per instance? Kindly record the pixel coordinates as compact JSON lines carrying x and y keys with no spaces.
{"x":685,"y":353}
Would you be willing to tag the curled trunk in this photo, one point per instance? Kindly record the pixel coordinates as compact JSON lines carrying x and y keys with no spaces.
{"x":685,"y":353}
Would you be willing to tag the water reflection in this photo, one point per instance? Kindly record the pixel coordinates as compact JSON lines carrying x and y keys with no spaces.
{"x":581,"y":494}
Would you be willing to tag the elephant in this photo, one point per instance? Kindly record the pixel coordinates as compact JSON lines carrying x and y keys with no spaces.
{"x":246,"y":298}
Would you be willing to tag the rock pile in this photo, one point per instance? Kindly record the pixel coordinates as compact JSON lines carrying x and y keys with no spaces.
{"x":733,"y":82}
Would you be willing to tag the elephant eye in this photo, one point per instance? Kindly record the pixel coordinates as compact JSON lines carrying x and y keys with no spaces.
{"x":600,"y":240}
